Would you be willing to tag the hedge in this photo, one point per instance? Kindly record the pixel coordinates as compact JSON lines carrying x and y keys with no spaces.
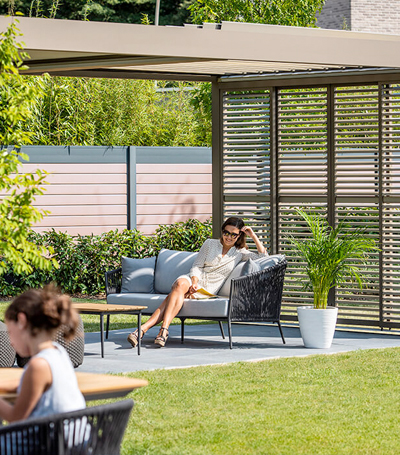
{"x":83,"y":259}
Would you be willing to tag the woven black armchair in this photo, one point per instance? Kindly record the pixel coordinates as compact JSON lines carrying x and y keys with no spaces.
{"x":257,"y":297}
{"x":97,"y":431}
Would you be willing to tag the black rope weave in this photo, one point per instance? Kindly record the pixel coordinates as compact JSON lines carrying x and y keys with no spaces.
{"x":257,"y":297}
{"x":97,"y":430}
{"x":7,"y":357}
{"x":113,"y":281}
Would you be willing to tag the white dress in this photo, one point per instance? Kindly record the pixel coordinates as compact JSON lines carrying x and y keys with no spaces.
{"x":212,"y":269}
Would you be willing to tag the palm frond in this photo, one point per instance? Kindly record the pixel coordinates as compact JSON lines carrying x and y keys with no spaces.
{"x":330,"y":254}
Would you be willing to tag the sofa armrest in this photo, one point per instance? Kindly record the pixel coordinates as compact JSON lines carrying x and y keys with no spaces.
{"x":258,"y":296}
{"x":113,"y":281}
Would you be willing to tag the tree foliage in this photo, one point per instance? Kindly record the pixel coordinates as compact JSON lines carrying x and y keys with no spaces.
{"x":300,"y":13}
{"x":16,"y":212}
{"x":172,"y":12}
{"x":84,"y":111}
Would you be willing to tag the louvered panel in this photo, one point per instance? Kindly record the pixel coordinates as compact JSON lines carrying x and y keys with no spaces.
{"x":257,"y":215}
{"x":302,"y":142}
{"x":291,"y":224}
{"x":391,"y":139}
{"x":356,"y":143}
{"x":353,"y":302}
{"x":246,"y":159}
{"x":391,"y":263}
{"x":302,"y":175}
{"x":246,"y":143}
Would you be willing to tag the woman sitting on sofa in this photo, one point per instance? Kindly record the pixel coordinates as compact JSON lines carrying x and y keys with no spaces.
{"x":212,"y":266}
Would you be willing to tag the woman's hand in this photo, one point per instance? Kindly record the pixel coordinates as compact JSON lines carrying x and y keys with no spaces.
{"x":193,"y":288}
{"x":249,"y":232}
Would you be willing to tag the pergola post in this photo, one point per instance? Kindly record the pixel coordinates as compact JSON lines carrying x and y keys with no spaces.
{"x":217,"y":160}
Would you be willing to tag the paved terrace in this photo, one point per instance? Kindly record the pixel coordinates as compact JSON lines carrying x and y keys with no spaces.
{"x":205,"y":346}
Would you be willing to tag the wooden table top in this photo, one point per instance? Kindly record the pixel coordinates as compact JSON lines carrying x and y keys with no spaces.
{"x":106,"y":308}
{"x":93,"y":386}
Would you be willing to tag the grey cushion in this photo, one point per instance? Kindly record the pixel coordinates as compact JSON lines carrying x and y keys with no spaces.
{"x":170,"y":265}
{"x":236,"y":273}
{"x":152,"y":301}
{"x":212,"y":308}
{"x":209,"y":308}
{"x":138,"y":274}
{"x":250,"y":266}
{"x":268,"y":261}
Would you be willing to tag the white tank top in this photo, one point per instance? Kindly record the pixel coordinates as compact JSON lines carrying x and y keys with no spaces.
{"x":63,"y":395}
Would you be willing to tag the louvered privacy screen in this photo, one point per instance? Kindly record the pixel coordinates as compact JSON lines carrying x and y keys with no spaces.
{"x":336,"y":151}
{"x":246,"y":164}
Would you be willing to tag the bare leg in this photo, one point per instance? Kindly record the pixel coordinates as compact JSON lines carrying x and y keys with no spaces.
{"x":170,"y":306}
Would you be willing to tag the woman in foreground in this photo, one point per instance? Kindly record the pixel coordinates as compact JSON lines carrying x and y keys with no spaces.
{"x":48,"y":384}
{"x":214,"y":263}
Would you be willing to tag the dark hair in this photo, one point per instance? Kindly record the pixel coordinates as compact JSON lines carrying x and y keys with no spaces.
{"x":45,"y":309}
{"x":238,"y":223}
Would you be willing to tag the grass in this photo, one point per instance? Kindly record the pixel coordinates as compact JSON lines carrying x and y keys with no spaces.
{"x":337,"y":404}
{"x":345,"y":404}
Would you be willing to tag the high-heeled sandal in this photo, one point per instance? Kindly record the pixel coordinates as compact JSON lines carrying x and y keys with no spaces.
{"x":133,"y":338}
{"x":161,"y":339}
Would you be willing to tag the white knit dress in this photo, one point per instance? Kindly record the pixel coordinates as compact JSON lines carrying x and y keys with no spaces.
{"x":212,"y":269}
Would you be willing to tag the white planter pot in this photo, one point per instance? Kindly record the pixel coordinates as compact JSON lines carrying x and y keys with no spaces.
{"x":317,"y":327}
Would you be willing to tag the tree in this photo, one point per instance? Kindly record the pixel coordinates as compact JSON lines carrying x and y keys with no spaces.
{"x":95,"y":111}
{"x":172,"y":12}
{"x":300,"y":13}
{"x":16,"y":211}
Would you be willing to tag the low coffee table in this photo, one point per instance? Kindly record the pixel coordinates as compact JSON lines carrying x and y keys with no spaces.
{"x":102,"y":309}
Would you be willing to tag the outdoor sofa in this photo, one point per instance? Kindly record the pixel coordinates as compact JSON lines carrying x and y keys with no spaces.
{"x":246,"y":296}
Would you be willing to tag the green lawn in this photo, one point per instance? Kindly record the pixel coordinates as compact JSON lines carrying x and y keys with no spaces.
{"x":328,"y":404}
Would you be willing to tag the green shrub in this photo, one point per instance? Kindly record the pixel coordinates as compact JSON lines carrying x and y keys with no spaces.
{"x":184,"y":236}
{"x":83,"y":259}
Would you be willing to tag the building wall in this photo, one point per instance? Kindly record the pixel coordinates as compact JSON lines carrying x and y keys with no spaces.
{"x":92,"y":190}
{"x":379,"y":16}
{"x":335,"y":14}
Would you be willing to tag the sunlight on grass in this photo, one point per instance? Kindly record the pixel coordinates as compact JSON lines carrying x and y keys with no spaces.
{"x":337,"y":404}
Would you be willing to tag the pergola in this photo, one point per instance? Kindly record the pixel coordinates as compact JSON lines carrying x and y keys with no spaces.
{"x":302,"y":117}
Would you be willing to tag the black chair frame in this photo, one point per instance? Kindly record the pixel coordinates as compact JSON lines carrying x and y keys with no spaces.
{"x":96,"y":430}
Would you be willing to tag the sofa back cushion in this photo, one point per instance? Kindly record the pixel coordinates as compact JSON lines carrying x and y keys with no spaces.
{"x":171,"y":264}
{"x":138,"y":275}
{"x":268,"y":261}
{"x":243,"y":268}
{"x":250,"y":266}
{"x":236,"y":273}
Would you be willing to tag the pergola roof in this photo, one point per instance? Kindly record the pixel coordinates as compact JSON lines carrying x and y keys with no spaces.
{"x":208,"y":52}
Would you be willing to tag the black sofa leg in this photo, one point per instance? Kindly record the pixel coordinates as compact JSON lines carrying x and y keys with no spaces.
{"x":222,"y":329}
{"x":230,"y":333}
{"x":280,"y":329}
{"x":107,"y":325}
{"x":182,"y":330}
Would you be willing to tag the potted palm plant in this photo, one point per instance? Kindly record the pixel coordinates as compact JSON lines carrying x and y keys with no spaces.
{"x":331,"y":255}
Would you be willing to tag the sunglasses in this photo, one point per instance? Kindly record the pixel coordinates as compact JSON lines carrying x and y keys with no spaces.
{"x":230,"y":234}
